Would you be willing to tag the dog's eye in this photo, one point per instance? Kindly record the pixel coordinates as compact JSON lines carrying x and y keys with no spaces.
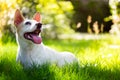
{"x":27,"y":23}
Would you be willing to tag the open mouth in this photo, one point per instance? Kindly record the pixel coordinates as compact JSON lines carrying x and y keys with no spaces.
{"x":34,"y":36}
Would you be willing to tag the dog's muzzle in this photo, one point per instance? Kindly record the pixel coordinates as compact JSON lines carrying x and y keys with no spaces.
{"x":34,"y":36}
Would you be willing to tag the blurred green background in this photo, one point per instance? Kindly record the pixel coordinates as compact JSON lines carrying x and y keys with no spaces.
{"x":63,"y":16}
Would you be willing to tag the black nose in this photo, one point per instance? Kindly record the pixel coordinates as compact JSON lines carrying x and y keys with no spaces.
{"x":39,"y":25}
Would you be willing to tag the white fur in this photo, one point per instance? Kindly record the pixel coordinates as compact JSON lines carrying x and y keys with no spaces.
{"x":30,"y":53}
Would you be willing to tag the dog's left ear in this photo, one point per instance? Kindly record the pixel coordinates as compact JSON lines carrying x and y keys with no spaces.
{"x":18,"y":17}
{"x":37,"y":17}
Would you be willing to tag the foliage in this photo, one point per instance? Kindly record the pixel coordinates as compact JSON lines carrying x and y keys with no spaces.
{"x":98,"y":59}
{"x":52,"y":11}
{"x":98,"y":9}
{"x":6,"y":15}
{"x":115,"y":17}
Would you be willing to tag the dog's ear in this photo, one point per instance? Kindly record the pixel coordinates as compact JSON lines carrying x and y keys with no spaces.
{"x":18,"y":17}
{"x":37,"y":17}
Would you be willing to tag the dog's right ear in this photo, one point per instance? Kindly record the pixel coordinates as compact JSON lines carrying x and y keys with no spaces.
{"x":37,"y":17}
{"x":18,"y":18}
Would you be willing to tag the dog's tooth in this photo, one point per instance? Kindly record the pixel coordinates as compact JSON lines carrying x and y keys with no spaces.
{"x":29,"y":36}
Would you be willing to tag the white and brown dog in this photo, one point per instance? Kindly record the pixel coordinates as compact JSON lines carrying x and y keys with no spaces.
{"x":31,"y":50}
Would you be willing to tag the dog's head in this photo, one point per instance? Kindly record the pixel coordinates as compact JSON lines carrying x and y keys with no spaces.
{"x":28,"y":30}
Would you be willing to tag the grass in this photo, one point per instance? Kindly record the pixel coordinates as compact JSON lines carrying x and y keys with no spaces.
{"x":98,"y":59}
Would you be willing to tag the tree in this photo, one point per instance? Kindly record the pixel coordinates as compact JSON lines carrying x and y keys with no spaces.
{"x":98,"y":9}
{"x":115,"y":17}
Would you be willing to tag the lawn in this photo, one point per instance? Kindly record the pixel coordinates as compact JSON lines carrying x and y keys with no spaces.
{"x":98,"y":60}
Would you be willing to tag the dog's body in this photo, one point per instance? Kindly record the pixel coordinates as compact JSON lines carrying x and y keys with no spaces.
{"x":31,"y":50}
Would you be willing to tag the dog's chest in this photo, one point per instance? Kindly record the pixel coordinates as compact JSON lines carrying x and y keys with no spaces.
{"x":38,"y":55}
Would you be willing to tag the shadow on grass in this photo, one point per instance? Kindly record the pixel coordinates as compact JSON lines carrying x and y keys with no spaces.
{"x":10,"y":70}
{"x":92,"y":72}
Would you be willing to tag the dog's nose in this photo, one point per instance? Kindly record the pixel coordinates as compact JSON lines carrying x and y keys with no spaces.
{"x":39,"y":25}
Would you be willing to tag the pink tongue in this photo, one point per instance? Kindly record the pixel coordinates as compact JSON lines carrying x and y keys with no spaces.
{"x":36,"y":39}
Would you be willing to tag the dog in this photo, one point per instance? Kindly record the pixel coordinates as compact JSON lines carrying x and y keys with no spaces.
{"x":31,"y":50}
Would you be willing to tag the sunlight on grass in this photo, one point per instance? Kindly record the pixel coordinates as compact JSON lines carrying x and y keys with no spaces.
{"x":97,"y":61}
